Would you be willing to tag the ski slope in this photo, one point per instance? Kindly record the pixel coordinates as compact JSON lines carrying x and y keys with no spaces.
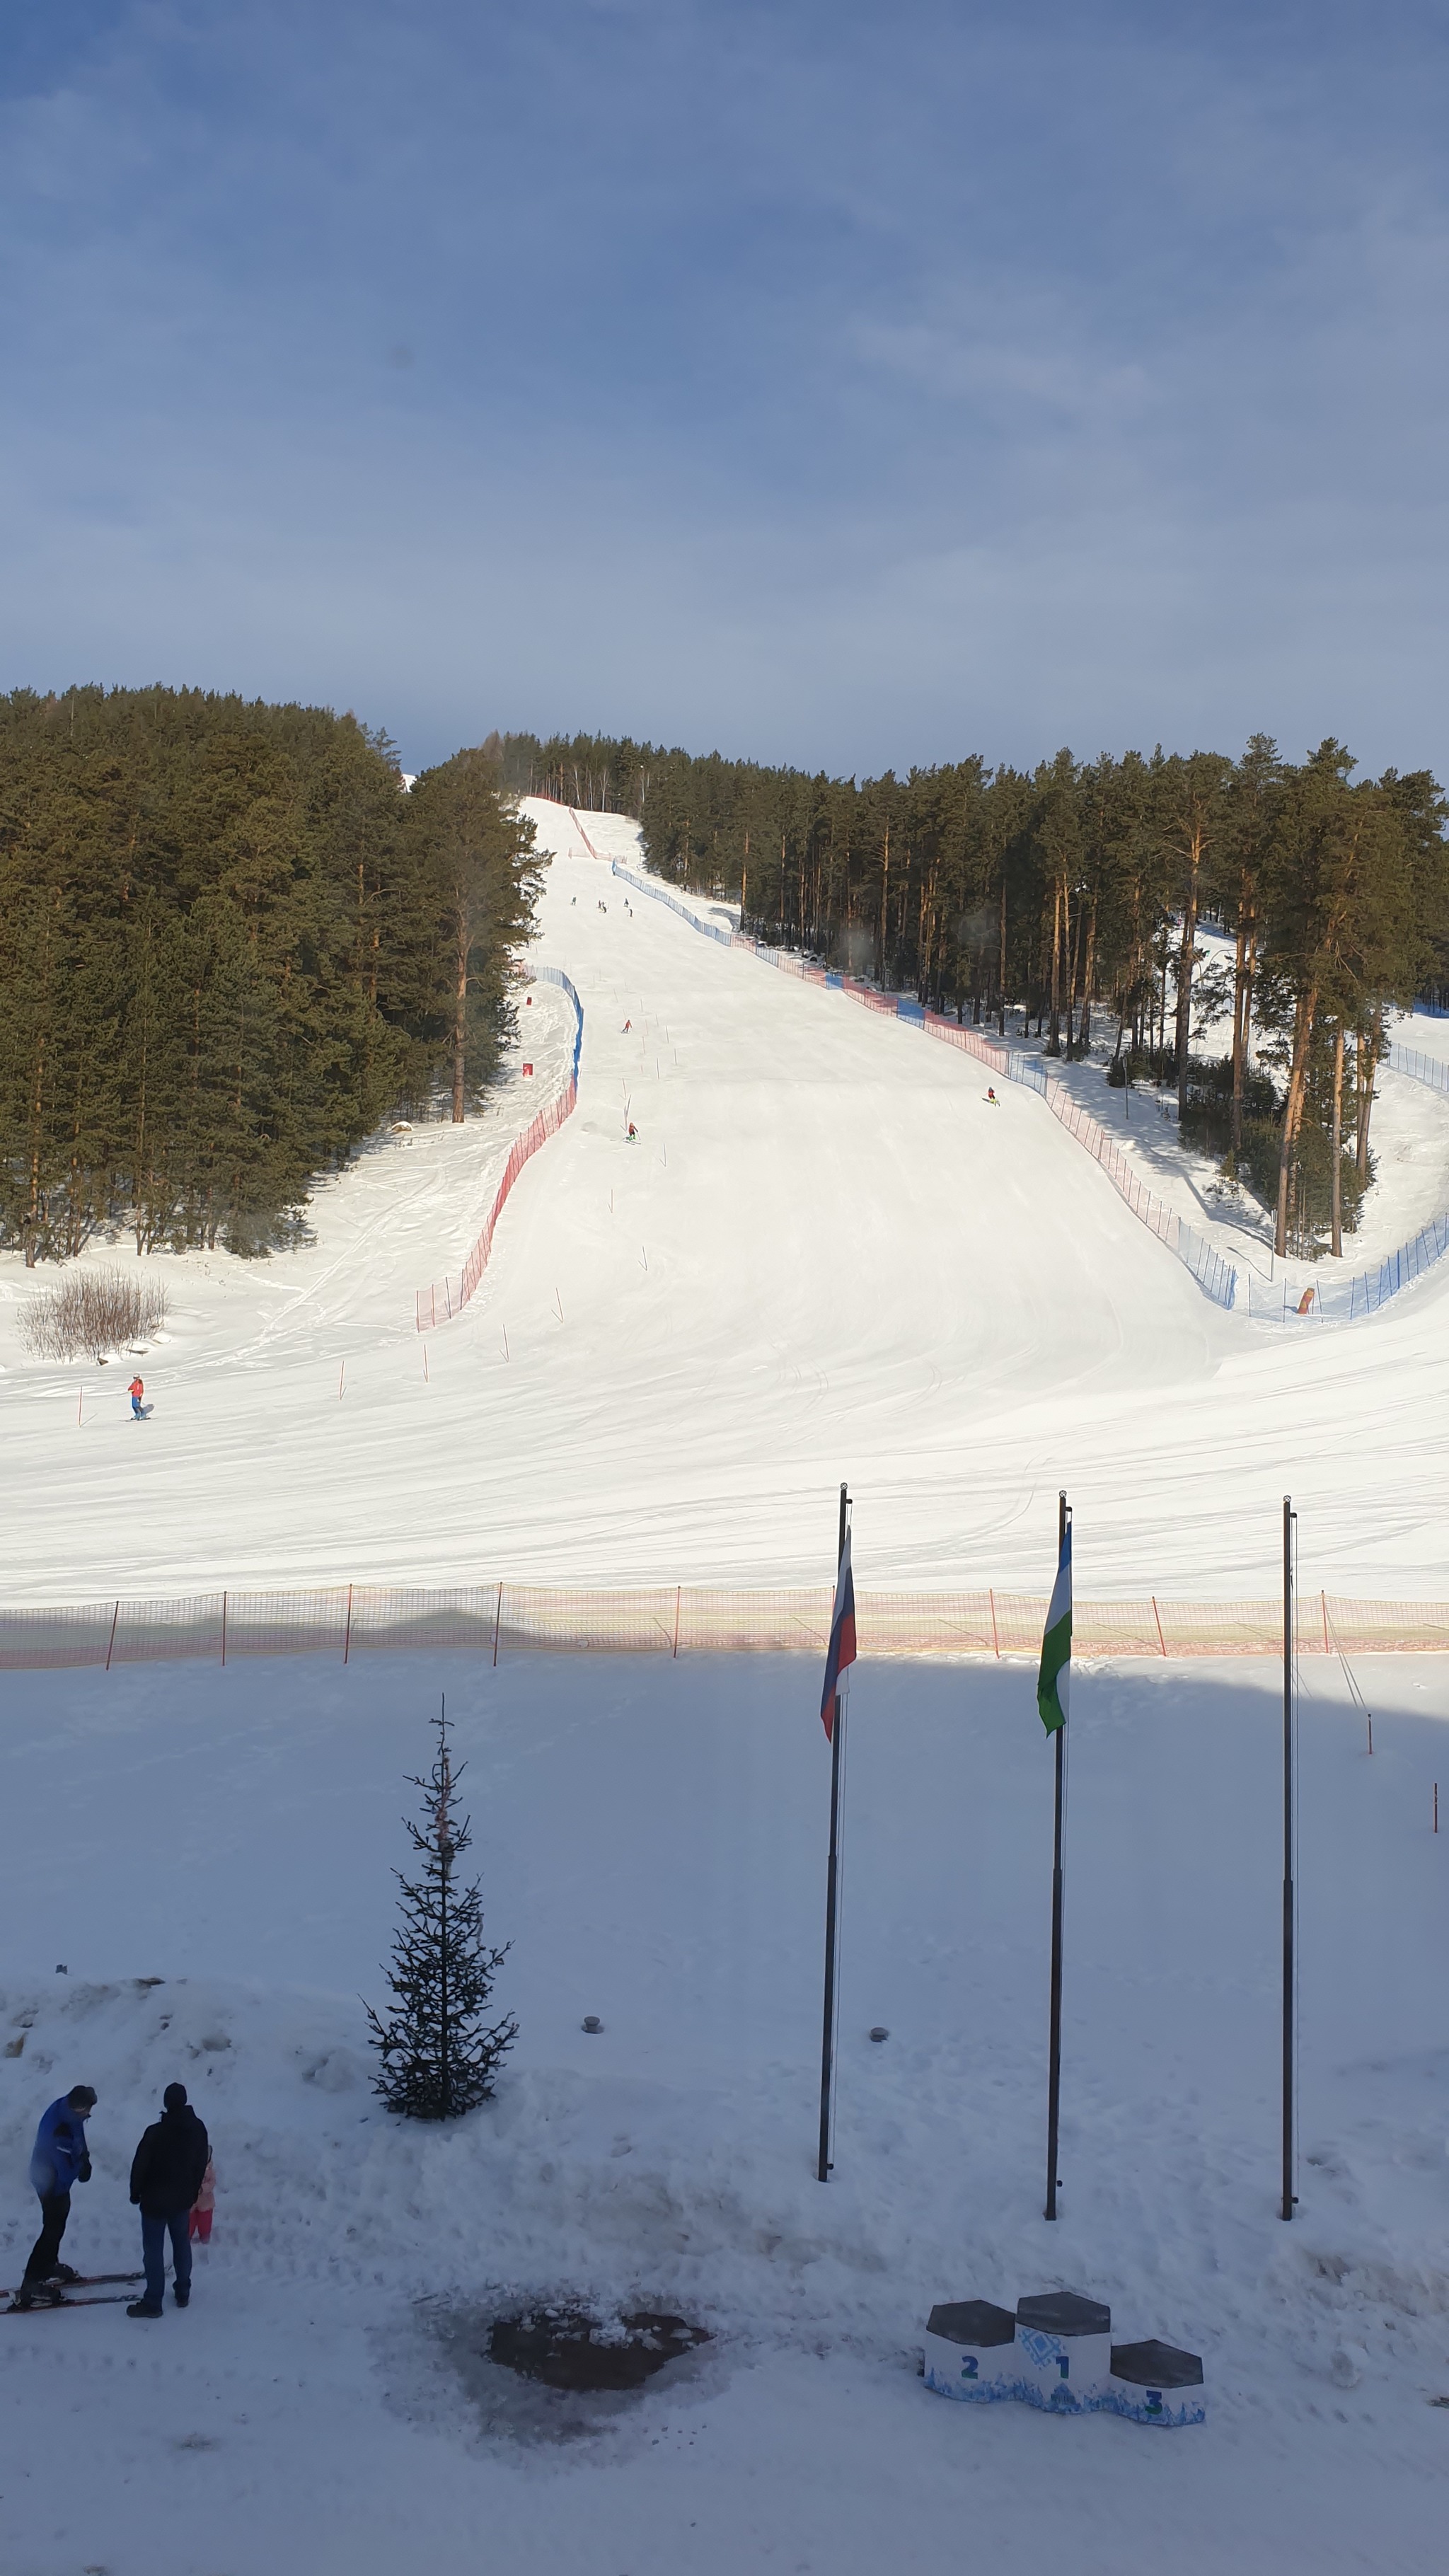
{"x":823,"y":1256}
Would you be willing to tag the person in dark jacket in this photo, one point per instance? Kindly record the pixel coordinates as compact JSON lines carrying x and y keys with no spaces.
{"x":166,"y":2175}
{"x":59,"y":2159}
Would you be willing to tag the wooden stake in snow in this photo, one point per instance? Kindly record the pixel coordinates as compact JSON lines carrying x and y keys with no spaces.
{"x":558,"y":1301}
{"x":341,"y":1376}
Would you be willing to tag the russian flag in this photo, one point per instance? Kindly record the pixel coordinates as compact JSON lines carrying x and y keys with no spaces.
{"x":842,"y":1641}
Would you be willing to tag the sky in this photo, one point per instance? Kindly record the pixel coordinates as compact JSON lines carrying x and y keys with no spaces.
{"x":856,"y":383}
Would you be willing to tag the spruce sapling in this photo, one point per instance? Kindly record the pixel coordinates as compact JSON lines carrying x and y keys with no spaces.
{"x":438,"y":2057}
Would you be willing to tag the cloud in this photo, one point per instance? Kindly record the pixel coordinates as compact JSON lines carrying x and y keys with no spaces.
{"x":847,"y":385}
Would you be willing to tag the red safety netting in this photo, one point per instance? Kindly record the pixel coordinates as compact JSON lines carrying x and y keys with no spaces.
{"x":447,"y":1297}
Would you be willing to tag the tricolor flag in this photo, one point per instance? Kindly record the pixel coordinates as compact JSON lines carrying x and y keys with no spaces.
{"x":842,"y":1640}
{"x":1056,"y":1644}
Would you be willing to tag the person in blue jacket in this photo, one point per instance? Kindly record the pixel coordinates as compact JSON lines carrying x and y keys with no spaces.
{"x":60,"y":2159}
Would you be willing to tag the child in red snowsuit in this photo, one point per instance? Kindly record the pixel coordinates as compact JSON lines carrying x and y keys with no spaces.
{"x":199,"y":2225}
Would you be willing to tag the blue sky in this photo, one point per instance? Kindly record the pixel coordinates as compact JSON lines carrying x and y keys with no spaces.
{"x":847,"y":384}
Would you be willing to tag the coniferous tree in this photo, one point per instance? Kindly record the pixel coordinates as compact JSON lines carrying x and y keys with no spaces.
{"x":439,"y":2052}
{"x":230,"y":945}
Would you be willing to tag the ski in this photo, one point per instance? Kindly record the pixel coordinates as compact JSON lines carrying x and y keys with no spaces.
{"x":82,"y":2281}
{"x":45,"y":2307}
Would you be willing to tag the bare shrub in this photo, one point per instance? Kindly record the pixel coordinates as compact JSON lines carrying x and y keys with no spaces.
{"x":89,"y":1313}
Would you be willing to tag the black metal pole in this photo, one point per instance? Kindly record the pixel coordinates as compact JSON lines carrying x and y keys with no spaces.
{"x":832,"y":1875}
{"x":1289,"y":2195}
{"x":1054,"y":2065}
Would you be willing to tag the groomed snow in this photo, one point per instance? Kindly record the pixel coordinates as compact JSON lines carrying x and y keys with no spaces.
{"x":825,"y":1255}
{"x":650,"y":1836}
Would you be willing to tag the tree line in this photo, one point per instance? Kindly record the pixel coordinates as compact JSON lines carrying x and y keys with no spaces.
{"x":1082,"y":893}
{"x":598,"y":773}
{"x":230,"y":945}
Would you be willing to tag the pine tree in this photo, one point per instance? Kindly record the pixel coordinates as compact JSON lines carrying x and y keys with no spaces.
{"x":439,"y":2057}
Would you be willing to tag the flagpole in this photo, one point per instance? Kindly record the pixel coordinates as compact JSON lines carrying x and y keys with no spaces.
{"x":832,"y":1875}
{"x":1289,"y":1522}
{"x":1054,"y":2065}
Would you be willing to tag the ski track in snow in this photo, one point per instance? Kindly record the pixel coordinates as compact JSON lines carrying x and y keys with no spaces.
{"x":852,"y":1269}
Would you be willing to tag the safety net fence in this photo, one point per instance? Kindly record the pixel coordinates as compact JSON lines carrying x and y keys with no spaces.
{"x":1215,"y":1276}
{"x":1341,"y":1300}
{"x":447,"y":1297}
{"x":502,"y":1618}
{"x":1326,"y":1300}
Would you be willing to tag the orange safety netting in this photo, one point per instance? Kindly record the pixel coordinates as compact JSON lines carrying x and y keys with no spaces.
{"x":498,"y":1619}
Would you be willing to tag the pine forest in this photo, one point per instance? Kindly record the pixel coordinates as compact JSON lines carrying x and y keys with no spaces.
{"x":231,"y":944}
{"x":1079,"y":897}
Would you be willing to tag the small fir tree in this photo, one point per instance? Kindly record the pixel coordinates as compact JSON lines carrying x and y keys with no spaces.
{"x":439,"y":2055}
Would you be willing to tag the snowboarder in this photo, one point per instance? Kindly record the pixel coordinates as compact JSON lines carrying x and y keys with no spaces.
{"x":135,"y":1391}
{"x":59,"y":2159}
{"x":628,"y":1024}
{"x":991,"y":1096}
{"x":633,"y":1131}
{"x":167,"y":2172}
{"x":199,"y":2223}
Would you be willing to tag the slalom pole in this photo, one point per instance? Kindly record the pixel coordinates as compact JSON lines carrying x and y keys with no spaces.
{"x":832,"y":1882}
{"x":1290,"y":1518}
{"x":1054,"y":2051}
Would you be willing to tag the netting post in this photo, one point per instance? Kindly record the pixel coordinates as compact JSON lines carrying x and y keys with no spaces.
{"x":347,"y":1632}
{"x":497,"y":1624}
{"x":1157,"y":1616}
{"x":678,"y":1596}
{"x":995,"y":1642}
{"x":115,"y":1614}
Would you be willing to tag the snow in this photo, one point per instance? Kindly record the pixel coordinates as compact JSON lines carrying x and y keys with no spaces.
{"x":1409,"y":1137}
{"x":650,"y":1836}
{"x":823,"y":1256}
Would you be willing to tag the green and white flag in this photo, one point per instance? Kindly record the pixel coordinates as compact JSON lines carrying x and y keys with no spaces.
{"x":1056,"y":1645}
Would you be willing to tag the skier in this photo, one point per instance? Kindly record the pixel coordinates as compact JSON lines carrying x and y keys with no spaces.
{"x":135,"y":1391}
{"x":628,"y":1024}
{"x":167,"y":2173}
{"x":60,"y":2158}
{"x":198,"y":2226}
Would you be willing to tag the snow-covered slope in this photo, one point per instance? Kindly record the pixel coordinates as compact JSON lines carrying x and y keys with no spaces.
{"x":824,"y":1255}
